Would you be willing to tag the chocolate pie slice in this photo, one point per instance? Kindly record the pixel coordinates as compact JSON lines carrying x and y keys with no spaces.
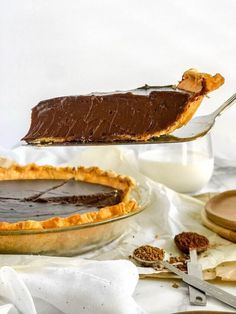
{"x":136,"y":115}
{"x":43,"y":197}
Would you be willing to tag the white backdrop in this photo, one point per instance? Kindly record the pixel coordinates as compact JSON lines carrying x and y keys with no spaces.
{"x":52,"y":48}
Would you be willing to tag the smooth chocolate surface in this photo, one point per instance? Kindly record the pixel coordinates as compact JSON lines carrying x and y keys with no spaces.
{"x":107,"y":117}
{"x":16,"y":210}
{"x":21,"y":189}
{"x":42,"y":199}
{"x":74,"y":192}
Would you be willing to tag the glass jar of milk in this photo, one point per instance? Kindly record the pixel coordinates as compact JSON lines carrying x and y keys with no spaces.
{"x":183,"y":167}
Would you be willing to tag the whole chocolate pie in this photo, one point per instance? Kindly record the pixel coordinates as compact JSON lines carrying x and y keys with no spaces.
{"x":138,"y":114}
{"x":43,"y":197}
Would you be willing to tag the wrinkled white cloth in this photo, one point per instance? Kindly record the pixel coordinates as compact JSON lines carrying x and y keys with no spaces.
{"x":84,"y":287}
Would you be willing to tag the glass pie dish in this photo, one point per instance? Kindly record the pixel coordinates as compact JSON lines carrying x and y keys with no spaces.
{"x":74,"y":240}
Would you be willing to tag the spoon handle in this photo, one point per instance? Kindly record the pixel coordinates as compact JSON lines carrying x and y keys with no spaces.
{"x":196,"y":296}
{"x":202,"y":285}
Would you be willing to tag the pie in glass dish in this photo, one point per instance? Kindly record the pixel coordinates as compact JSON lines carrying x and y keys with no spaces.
{"x":63,"y":211}
{"x":36,"y":197}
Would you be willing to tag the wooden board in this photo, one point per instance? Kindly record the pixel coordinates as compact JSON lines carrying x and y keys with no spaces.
{"x":223,"y":232}
{"x":221,"y":209}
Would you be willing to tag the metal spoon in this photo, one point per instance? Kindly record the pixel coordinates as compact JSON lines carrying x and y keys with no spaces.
{"x":195,"y":282}
{"x":146,"y":263}
{"x":197,"y":297}
{"x":194,"y":129}
{"x":202,"y":285}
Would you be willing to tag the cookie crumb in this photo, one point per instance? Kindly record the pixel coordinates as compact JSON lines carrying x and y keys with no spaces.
{"x":175,"y":285}
{"x":180,"y":262}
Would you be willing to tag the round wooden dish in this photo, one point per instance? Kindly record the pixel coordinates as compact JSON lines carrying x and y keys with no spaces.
{"x":221,"y":209}
{"x":223,"y":232}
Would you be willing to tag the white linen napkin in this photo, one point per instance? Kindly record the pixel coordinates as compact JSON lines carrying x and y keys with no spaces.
{"x":78,"y":287}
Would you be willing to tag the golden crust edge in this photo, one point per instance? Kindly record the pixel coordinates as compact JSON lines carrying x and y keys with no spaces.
{"x":200,"y":83}
{"x":87,"y":174}
{"x":105,"y":213}
{"x":91,"y":175}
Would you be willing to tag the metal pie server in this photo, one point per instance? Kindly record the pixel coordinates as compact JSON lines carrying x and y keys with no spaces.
{"x":196,"y":297}
{"x":194,"y":129}
{"x":202,"y":285}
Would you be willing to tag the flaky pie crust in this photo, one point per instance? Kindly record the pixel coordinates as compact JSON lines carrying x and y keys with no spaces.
{"x":91,"y":175}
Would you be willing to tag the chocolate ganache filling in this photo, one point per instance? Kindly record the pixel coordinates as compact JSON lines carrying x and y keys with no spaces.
{"x":26,"y":189}
{"x":107,"y":117}
{"x":43,"y":199}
